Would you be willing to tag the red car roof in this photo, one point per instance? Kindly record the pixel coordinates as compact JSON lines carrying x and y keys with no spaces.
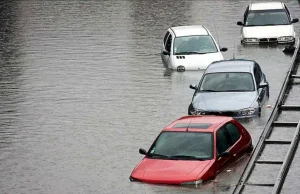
{"x":202,"y":123}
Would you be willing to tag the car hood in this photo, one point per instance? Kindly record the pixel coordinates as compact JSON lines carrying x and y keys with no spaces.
{"x":168,"y":171}
{"x":223,"y":101}
{"x":268,"y":31}
{"x":196,"y":62}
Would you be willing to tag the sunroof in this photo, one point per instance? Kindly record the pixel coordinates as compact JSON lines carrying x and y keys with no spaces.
{"x":193,"y":125}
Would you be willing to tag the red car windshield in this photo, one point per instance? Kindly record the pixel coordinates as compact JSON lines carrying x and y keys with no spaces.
{"x":183,"y":146}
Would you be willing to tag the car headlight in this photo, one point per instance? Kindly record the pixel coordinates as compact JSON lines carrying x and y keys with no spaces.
{"x":286,"y":38}
{"x":192,"y":183}
{"x":245,"y":112}
{"x":253,"y":40}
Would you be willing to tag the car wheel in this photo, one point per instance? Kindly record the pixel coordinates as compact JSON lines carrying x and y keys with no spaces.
{"x":259,"y":112}
{"x":268,"y":92}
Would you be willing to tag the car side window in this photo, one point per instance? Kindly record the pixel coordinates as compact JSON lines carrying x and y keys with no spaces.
{"x":169,"y":43}
{"x":223,"y":141}
{"x":233,"y":132}
{"x":245,"y":14}
{"x":166,"y":36}
{"x":287,"y":11}
{"x":257,"y":75}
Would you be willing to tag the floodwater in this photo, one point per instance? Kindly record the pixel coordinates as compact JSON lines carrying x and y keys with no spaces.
{"x":82,"y":87}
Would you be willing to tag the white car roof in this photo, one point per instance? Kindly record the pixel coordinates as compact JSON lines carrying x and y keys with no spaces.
{"x":266,"y":6}
{"x":189,"y":30}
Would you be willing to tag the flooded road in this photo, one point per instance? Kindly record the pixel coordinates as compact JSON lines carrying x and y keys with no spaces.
{"x":82,"y":87}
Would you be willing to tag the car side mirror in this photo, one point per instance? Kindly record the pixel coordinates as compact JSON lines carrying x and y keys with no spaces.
{"x":263,"y":85}
{"x":193,"y":86}
{"x":239,"y":23}
{"x":142,"y":151}
{"x":223,"y":49}
{"x":166,"y":53}
{"x":295,"y":20}
{"x":224,"y":154}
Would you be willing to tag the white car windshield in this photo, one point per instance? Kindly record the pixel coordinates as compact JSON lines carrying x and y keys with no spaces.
{"x":185,"y":45}
{"x":267,"y":18}
{"x":226,"y":82}
{"x":183,"y":145}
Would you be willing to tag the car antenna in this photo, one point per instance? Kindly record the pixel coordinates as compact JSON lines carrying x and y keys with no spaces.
{"x":187,"y":128}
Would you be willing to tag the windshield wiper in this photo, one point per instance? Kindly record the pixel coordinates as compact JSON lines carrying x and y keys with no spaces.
{"x":159,"y":155}
{"x":266,"y":25}
{"x":187,"y":157}
{"x":209,"y":91}
{"x":188,"y":53}
{"x":236,"y":90}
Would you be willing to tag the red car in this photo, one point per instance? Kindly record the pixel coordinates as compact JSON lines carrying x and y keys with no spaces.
{"x":193,"y":149}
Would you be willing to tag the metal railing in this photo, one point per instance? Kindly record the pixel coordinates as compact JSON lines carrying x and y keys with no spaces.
{"x":264,"y":138}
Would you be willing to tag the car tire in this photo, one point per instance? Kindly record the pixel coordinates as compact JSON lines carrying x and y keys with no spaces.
{"x":268,"y":92}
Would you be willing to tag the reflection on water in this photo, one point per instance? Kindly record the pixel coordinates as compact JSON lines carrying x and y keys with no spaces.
{"x":82,"y":87}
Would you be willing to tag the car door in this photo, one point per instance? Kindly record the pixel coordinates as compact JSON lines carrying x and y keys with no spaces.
{"x":163,"y":48}
{"x":229,"y":137}
{"x":236,"y":145}
{"x":166,"y":51}
{"x":259,"y":79}
{"x":222,"y":145}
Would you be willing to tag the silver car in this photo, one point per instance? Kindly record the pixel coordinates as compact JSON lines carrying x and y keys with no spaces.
{"x":235,"y":87}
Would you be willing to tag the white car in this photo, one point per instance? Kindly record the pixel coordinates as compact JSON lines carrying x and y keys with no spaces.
{"x":269,"y":22}
{"x":189,"y":48}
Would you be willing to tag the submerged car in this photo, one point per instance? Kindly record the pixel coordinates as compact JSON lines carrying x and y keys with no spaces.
{"x":268,"y":22}
{"x":192,"y":150}
{"x":189,"y":48}
{"x":236,"y":88}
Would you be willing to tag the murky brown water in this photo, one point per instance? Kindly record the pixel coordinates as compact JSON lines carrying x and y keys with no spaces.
{"x":82,"y":87}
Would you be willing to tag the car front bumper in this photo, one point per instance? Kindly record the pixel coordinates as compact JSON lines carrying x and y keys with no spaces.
{"x":266,"y":41}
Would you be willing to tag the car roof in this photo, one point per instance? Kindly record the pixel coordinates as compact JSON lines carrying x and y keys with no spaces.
{"x":189,"y":30}
{"x":232,"y":65}
{"x":266,"y":6}
{"x":190,"y":123}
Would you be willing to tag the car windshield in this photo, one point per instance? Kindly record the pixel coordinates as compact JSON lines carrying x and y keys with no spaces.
{"x":183,"y":146}
{"x":267,"y":18}
{"x":185,"y":45}
{"x":226,"y":82}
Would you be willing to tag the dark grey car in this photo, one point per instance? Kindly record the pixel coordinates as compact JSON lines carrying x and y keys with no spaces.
{"x":235,"y":87}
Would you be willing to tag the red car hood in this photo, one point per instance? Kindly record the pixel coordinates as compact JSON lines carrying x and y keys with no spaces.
{"x":168,"y":171}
